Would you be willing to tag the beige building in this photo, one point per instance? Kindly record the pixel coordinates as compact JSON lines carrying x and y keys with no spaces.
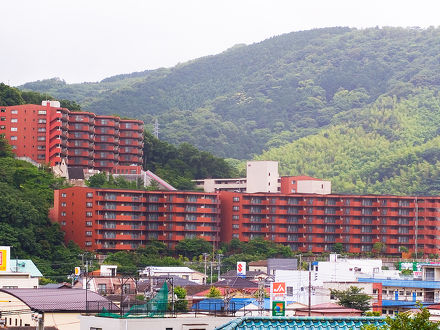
{"x":59,"y":308}
{"x":263,"y":176}
{"x":182,"y":272}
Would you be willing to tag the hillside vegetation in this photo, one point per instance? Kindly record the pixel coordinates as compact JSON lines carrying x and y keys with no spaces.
{"x":358,"y":107}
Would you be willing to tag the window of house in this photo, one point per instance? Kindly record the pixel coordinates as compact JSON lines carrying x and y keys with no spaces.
{"x":14,"y":120}
{"x":89,"y":223}
{"x":63,"y":204}
{"x":235,"y":217}
{"x":235,"y":226}
{"x":236,"y":208}
{"x":14,"y":112}
{"x":89,"y":195}
{"x":41,"y":112}
{"x":88,"y":233}
{"x":236,"y":199}
{"x":41,"y":138}
{"x":3,"y":118}
{"x":89,"y":214}
{"x":88,"y":243}
{"x":63,"y":223}
{"x":89,"y":204}
{"x":14,"y":129}
{"x":63,"y":214}
{"x":13,"y":138}
{"x":63,"y":195}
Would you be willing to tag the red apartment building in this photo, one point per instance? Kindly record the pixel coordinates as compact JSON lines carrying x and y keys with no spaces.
{"x":115,"y":219}
{"x":48,"y":133}
{"x":111,"y":219}
{"x":309,"y":222}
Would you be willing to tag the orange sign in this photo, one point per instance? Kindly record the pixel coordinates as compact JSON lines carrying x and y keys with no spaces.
{"x":4,"y":258}
{"x":279,"y":287}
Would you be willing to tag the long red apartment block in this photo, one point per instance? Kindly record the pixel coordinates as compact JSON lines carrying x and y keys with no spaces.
{"x":107,"y":220}
{"x":48,"y":134}
{"x":308,"y":222}
{"x":112,"y":219}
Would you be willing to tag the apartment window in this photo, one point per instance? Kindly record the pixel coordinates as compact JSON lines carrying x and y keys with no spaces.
{"x":41,"y":112}
{"x":41,"y":129}
{"x":88,"y":243}
{"x":14,"y":129}
{"x":63,"y":223}
{"x":14,"y":120}
{"x":235,"y":217}
{"x":236,"y":208}
{"x":89,"y":204}
{"x":89,"y":223}
{"x":63,"y":204}
{"x":235,"y":226}
{"x":3,"y":118}
{"x":63,"y":195}
{"x":41,"y":147}
{"x":235,"y":236}
{"x":13,"y":138}
{"x":63,"y":214}
{"x":89,"y":214}
{"x":89,"y":195}
{"x":41,"y":138}
{"x":41,"y":121}
{"x":235,"y":199}
{"x":2,"y":110}
{"x":13,"y":147}
{"x":14,"y":112}
{"x":88,"y":233}
{"x":2,"y":127}
{"x":41,"y":156}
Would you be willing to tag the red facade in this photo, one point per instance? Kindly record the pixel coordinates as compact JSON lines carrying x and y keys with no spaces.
{"x":111,"y":219}
{"x":314,"y":223}
{"x":114,"y":219}
{"x":48,"y":134}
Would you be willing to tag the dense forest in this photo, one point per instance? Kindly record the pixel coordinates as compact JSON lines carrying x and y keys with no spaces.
{"x":358,"y":107}
{"x":25,"y":198}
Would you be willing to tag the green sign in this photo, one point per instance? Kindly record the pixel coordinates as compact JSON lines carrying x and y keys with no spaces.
{"x":278,"y":308}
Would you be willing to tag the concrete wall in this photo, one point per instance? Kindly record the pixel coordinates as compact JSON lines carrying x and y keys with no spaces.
{"x":314,"y":187}
{"x":262,"y":176}
{"x":179,"y":323}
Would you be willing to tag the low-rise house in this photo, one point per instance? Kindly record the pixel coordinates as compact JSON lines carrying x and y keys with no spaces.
{"x":329,"y":310}
{"x":54,"y":307}
{"x":183,"y":272}
{"x":254,"y":276}
{"x":271,"y":265}
{"x":21,"y":274}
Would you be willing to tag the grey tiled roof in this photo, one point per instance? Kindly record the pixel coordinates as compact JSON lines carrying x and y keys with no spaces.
{"x":73,"y":300}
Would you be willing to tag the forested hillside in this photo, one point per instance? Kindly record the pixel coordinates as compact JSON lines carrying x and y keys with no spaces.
{"x":389,"y":147}
{"x":26,"y":194}
{"x":359,"y":107}
{"x":251,"y":98}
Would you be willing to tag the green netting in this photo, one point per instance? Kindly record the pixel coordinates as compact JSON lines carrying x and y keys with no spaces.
{"x":156,"y":307}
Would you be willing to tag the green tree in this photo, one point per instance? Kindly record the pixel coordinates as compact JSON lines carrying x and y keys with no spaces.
{"x":214,"y":292}
{"x":181,"y":305}
{"x":353,"y":297}
{"x":193,"y":247}
{"x":338,"y":248}
{"x":408,"y":321}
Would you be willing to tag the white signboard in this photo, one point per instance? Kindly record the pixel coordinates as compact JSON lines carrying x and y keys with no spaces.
{"x":241,"y":268}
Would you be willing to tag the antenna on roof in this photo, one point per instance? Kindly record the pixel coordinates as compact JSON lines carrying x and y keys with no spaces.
{"x":156,"y":128}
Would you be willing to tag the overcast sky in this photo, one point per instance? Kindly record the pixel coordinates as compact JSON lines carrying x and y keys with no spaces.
{"x":88,"y":40}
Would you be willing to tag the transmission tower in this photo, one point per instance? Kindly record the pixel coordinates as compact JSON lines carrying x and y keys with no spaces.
{"x":156,"y":128}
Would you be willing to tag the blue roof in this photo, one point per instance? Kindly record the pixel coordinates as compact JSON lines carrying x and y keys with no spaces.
{"x":234,"y":304}
{"x":404,"y":303}
{"x":301,"y":323}
{"x":403,"y":283}
{"x":25,"y":266}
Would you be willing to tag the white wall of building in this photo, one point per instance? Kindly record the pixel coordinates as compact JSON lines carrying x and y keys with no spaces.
{"x":314,"y":187}
{"x":180,"y":323}
{"x":262,"y":176}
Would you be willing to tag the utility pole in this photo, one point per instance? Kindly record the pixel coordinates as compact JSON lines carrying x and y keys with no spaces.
{"x":211,"y":272}
{"x":310,"y":288}
{"x":205,"y":255}
{"x":219,"y":256}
